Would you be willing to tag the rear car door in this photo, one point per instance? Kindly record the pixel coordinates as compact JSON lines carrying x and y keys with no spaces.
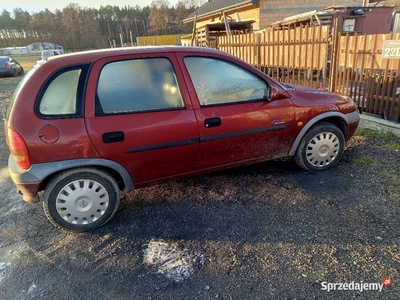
{"x":236,"y":121}
{"x":137,"y":115}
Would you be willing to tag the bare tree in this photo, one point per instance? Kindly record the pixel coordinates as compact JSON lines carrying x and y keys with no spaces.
{"x":78,"y":28}
{"x":160,"y":17}
{"x":72,"y":21}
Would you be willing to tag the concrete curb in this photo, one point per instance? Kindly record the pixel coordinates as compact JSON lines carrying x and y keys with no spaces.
{"x":379,"y":124}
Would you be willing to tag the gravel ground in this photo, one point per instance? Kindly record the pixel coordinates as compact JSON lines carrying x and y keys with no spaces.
{"x":267,"y":231}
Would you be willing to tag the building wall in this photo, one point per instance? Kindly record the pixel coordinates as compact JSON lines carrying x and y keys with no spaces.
{"x":15,"y":50}
{"x":275,"y":10}
{"x":173,"y":39}
{"x":378,"y":20}
{"x":375,"y":20}
{"x":396,"y":22}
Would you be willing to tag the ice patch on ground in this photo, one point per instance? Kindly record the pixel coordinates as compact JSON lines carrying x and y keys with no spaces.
{"x":4,"y":266}
{"x":4,"y":175}
{"x":172,"y":259}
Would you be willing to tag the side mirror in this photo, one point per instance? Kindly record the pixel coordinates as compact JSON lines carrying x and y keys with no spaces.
{"x":273,"y":93}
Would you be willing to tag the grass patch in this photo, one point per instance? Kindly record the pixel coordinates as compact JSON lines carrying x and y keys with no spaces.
{"x":371,"y":133}
{"x":393,"y":182}
{"x":27,"y":61}
{"x":368,"y":161}
{"x":393,"y":146}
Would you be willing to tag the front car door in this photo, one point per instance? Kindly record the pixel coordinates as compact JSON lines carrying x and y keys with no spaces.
{"x":236,"y":122}
{"x":139,"y":117}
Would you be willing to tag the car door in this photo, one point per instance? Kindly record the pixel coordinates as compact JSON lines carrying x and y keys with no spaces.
{"x":138,"y":116}
{"x":236,"y":122}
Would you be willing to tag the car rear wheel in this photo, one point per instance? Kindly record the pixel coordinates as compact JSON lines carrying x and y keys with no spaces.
{"x":321,"y":147}
{"x":81,"y":199}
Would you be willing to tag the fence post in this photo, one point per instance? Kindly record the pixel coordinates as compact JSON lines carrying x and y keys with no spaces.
{"x":258,"y":50}
{"x":334,"y":56}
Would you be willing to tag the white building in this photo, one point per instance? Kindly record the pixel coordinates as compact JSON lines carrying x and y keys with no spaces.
{"x":34,"y":48}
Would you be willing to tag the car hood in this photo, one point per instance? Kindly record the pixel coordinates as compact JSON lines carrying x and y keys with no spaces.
{"x":300,"y":94}
{"x":307,"y":100}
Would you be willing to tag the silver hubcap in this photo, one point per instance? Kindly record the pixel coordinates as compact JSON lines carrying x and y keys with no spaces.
{"x":323,"y":149}
{"x":82,"y":202}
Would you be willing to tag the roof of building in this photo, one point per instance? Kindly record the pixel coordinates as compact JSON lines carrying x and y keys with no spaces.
{"x":215,"y":6}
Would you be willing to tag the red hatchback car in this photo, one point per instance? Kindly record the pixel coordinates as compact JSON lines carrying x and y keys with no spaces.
{"x":84,"y":126}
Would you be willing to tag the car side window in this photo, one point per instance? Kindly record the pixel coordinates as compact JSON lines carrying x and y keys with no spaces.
{"x":138,"y":85}
{"x":60,"y":96}
{"x":217,"y":81}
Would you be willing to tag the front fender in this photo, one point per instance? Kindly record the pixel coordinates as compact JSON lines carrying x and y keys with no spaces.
{"x":348,"y":118}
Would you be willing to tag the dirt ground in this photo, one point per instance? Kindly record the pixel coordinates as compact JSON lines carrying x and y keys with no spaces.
{"x":267,"y":231}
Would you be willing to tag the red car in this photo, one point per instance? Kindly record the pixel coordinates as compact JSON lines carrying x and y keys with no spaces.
{"x":84,"y":126}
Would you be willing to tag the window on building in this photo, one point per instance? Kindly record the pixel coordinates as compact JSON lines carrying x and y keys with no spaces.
{"x":349,"y":25}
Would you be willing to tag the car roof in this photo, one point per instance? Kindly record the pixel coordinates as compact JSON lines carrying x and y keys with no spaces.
{"x":93,"y":55}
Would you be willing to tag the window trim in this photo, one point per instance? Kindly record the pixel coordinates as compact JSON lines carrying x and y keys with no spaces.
{"x":233,"y":103}
{"x":80,"y":97}
{"x":98,"y":109}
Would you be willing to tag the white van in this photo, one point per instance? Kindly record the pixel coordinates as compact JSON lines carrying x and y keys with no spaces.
{"x":51,"y":52}
{"x":46,"y":54}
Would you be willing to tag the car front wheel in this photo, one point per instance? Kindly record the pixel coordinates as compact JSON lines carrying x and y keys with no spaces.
{"x":321,"y":147}
{"x":81,"y":200}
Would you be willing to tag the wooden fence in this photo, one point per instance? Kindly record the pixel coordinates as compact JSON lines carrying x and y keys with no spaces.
{"x":292,"y":56}
{"x":349,"y":64}
{"x":363,"y":73}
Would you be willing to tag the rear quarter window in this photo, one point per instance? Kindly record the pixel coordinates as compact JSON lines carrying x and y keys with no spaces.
{"x":62,"y":95}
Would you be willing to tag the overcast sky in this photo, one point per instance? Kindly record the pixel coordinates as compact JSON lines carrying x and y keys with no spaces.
{"x":52,"y":5}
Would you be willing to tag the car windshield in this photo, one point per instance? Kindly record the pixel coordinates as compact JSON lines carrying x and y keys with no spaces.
{"x":18,"y":89}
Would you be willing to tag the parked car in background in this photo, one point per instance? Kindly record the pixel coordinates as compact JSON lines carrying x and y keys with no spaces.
{"x":10,"y":67}
{"x":106,"y":120}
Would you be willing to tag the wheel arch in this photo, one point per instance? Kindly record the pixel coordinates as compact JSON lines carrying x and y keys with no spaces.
{"x":45,"y":172}
{"x":334,"y":118}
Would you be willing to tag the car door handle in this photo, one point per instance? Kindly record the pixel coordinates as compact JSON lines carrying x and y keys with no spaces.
{"x":113,"y":137}
{"x":212,"y":122}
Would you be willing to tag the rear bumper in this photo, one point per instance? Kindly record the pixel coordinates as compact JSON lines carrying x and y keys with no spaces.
{"x":5,"y":73}
{"x":27,"y":184}
{"x":29,"y":191}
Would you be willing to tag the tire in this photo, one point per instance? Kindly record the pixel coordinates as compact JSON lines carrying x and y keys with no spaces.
{"x":321,"y":147}
{"x":81,"y":199}
{"x":22,"y":72}
{"x":14,"y":73}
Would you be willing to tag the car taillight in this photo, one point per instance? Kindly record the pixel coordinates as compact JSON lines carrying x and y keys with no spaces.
{"x":7,"y":65}
{"x":18,"y":149}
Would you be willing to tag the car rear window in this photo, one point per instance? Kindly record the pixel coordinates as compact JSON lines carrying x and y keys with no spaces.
{"x":18,"y":89}
{"x":136,"y":86}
